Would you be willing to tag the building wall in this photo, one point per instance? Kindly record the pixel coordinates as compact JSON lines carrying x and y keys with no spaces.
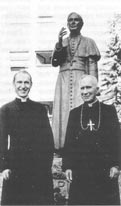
{"x":27,"y":26}
{"x":23,"y":33}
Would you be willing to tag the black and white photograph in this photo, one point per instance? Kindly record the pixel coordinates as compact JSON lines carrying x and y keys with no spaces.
{"x":60,"y":102}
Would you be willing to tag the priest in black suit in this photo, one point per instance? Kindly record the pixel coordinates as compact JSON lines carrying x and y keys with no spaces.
{"x":26,"y":148}
{"x":91,"y":152}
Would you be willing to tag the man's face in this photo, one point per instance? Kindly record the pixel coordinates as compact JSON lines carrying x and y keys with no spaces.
{"x":74,"y":22}
{"x":22,"y":85}
{"x":88,"y":90}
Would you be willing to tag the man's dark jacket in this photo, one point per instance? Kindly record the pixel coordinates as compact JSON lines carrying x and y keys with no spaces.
{"x":91,"y":154}
{"x":26,"y":148}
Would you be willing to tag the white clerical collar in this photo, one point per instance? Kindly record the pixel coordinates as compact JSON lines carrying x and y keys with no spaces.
{"x":22,"y":99}
{"x":91,"y":104}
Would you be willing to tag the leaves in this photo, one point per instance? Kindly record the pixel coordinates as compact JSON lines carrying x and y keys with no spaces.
{"x":110,"y":70}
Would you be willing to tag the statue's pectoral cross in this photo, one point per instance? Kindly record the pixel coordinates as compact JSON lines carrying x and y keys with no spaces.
{"x":71,"y":62}
{"x":90,"y":124}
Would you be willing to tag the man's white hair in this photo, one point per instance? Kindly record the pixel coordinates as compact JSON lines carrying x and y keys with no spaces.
{"x":92,"y":78}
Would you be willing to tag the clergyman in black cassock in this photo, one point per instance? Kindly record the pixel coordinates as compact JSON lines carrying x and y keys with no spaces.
{"x":26,"y":149}
{"x":91,"y":152}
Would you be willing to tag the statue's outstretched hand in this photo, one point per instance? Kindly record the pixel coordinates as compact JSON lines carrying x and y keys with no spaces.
{"x":6,"y":174}
{"x":69,"y":175}
{"x":62,"y":33}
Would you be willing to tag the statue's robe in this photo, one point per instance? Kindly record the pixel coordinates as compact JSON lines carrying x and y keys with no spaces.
{"x":78,"y":56}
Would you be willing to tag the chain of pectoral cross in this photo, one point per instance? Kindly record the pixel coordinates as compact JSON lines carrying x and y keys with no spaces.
{"x":72,"y":55}
{"x":90,"y":124}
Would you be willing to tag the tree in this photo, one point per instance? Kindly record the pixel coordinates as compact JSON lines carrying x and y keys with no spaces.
{"x":110,"y":72}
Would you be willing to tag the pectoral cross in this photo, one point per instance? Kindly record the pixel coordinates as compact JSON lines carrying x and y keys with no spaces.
{"x":71,"y":62}
{"x":90,"y":124}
